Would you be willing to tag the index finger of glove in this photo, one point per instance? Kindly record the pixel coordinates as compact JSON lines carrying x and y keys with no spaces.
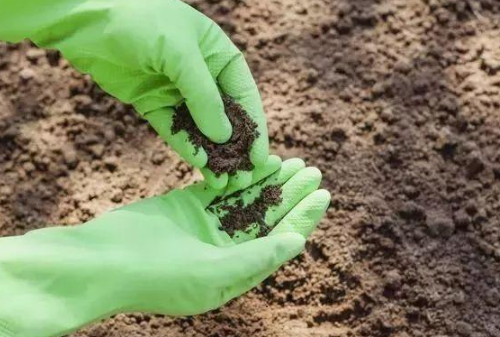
{"x":196,"y":84}
{"x":227,"y":64}
{"x":236,"y":80}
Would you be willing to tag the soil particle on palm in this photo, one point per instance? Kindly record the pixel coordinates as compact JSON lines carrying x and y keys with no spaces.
{"x":240,"y":217}
{"x":231,"y":156}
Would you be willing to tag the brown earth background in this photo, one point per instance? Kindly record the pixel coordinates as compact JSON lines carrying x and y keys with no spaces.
{"x":396,"y":101}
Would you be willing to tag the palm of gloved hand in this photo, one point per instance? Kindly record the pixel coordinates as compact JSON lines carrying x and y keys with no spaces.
{"x":199,"y":266}
{"x":155,"y":54}
{"x":165,"y":255}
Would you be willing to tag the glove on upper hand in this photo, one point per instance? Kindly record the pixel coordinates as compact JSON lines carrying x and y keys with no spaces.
{"x":153,"y":54}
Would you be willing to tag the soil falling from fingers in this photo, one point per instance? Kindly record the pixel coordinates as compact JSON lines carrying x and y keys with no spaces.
{"x":241,"y":218}
{"x":231,"y":156}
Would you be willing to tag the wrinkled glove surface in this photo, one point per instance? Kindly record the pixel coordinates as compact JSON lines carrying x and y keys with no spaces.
{"x":153,"y":54}
{"x":163,"y":255}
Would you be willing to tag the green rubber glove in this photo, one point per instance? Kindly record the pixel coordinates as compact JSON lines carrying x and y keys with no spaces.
{"x":153,"y":54}
{"x":162,"y":255}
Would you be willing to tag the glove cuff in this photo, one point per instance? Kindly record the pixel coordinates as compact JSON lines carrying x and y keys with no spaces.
{"x":6,"y":329}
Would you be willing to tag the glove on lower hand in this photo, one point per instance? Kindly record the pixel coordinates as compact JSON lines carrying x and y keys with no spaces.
{"x":163,"y":255}
{"x":153,"y":54}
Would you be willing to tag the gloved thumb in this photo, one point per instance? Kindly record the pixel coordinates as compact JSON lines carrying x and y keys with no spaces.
{"x":250,"y":263}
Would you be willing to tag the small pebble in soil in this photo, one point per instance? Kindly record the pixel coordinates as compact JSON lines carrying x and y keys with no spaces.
{"x":117,"y":195}
{"x":412,"y":211}
{"x":440,"y":226}
{"x":111,"y":163}
{"x":463,"y":328}
{"x":69,"y":156}
{"x":462,"y":219}
{"x":493,"y":297}
{"x":97,"y":150}
{"x":392,"y":283}
{"x":27,"y":74}
{"x":158,"y":157}
{"x":475,"y":165}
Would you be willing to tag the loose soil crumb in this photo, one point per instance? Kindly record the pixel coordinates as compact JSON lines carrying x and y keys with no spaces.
{"x":231,"y":156}
{"x":241,"y":217}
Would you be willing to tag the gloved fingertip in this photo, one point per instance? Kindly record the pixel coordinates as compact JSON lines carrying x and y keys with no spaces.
{"x":203,"y":192}
{"x":199,"y":159}
{"x":305,"y":216}
{"x":274,"y":160}
{"x":288,"y":245}
{"x":211,"y":119}
{"x":259,"y":151}
{"x":241,"y":180}
{"x":206,"y":107}
{"x":315,"y":172}
{"x":214,"y":181}
{"x":219,"y":133}
{"x":294,"y":164}
{"x":323,"y":195}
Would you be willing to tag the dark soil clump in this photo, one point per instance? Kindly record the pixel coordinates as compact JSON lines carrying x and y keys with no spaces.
{"x":231,"y":156}
{"x":240,"y":217}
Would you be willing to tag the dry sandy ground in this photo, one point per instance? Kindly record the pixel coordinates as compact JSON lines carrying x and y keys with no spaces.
{"x":396,"y":101}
